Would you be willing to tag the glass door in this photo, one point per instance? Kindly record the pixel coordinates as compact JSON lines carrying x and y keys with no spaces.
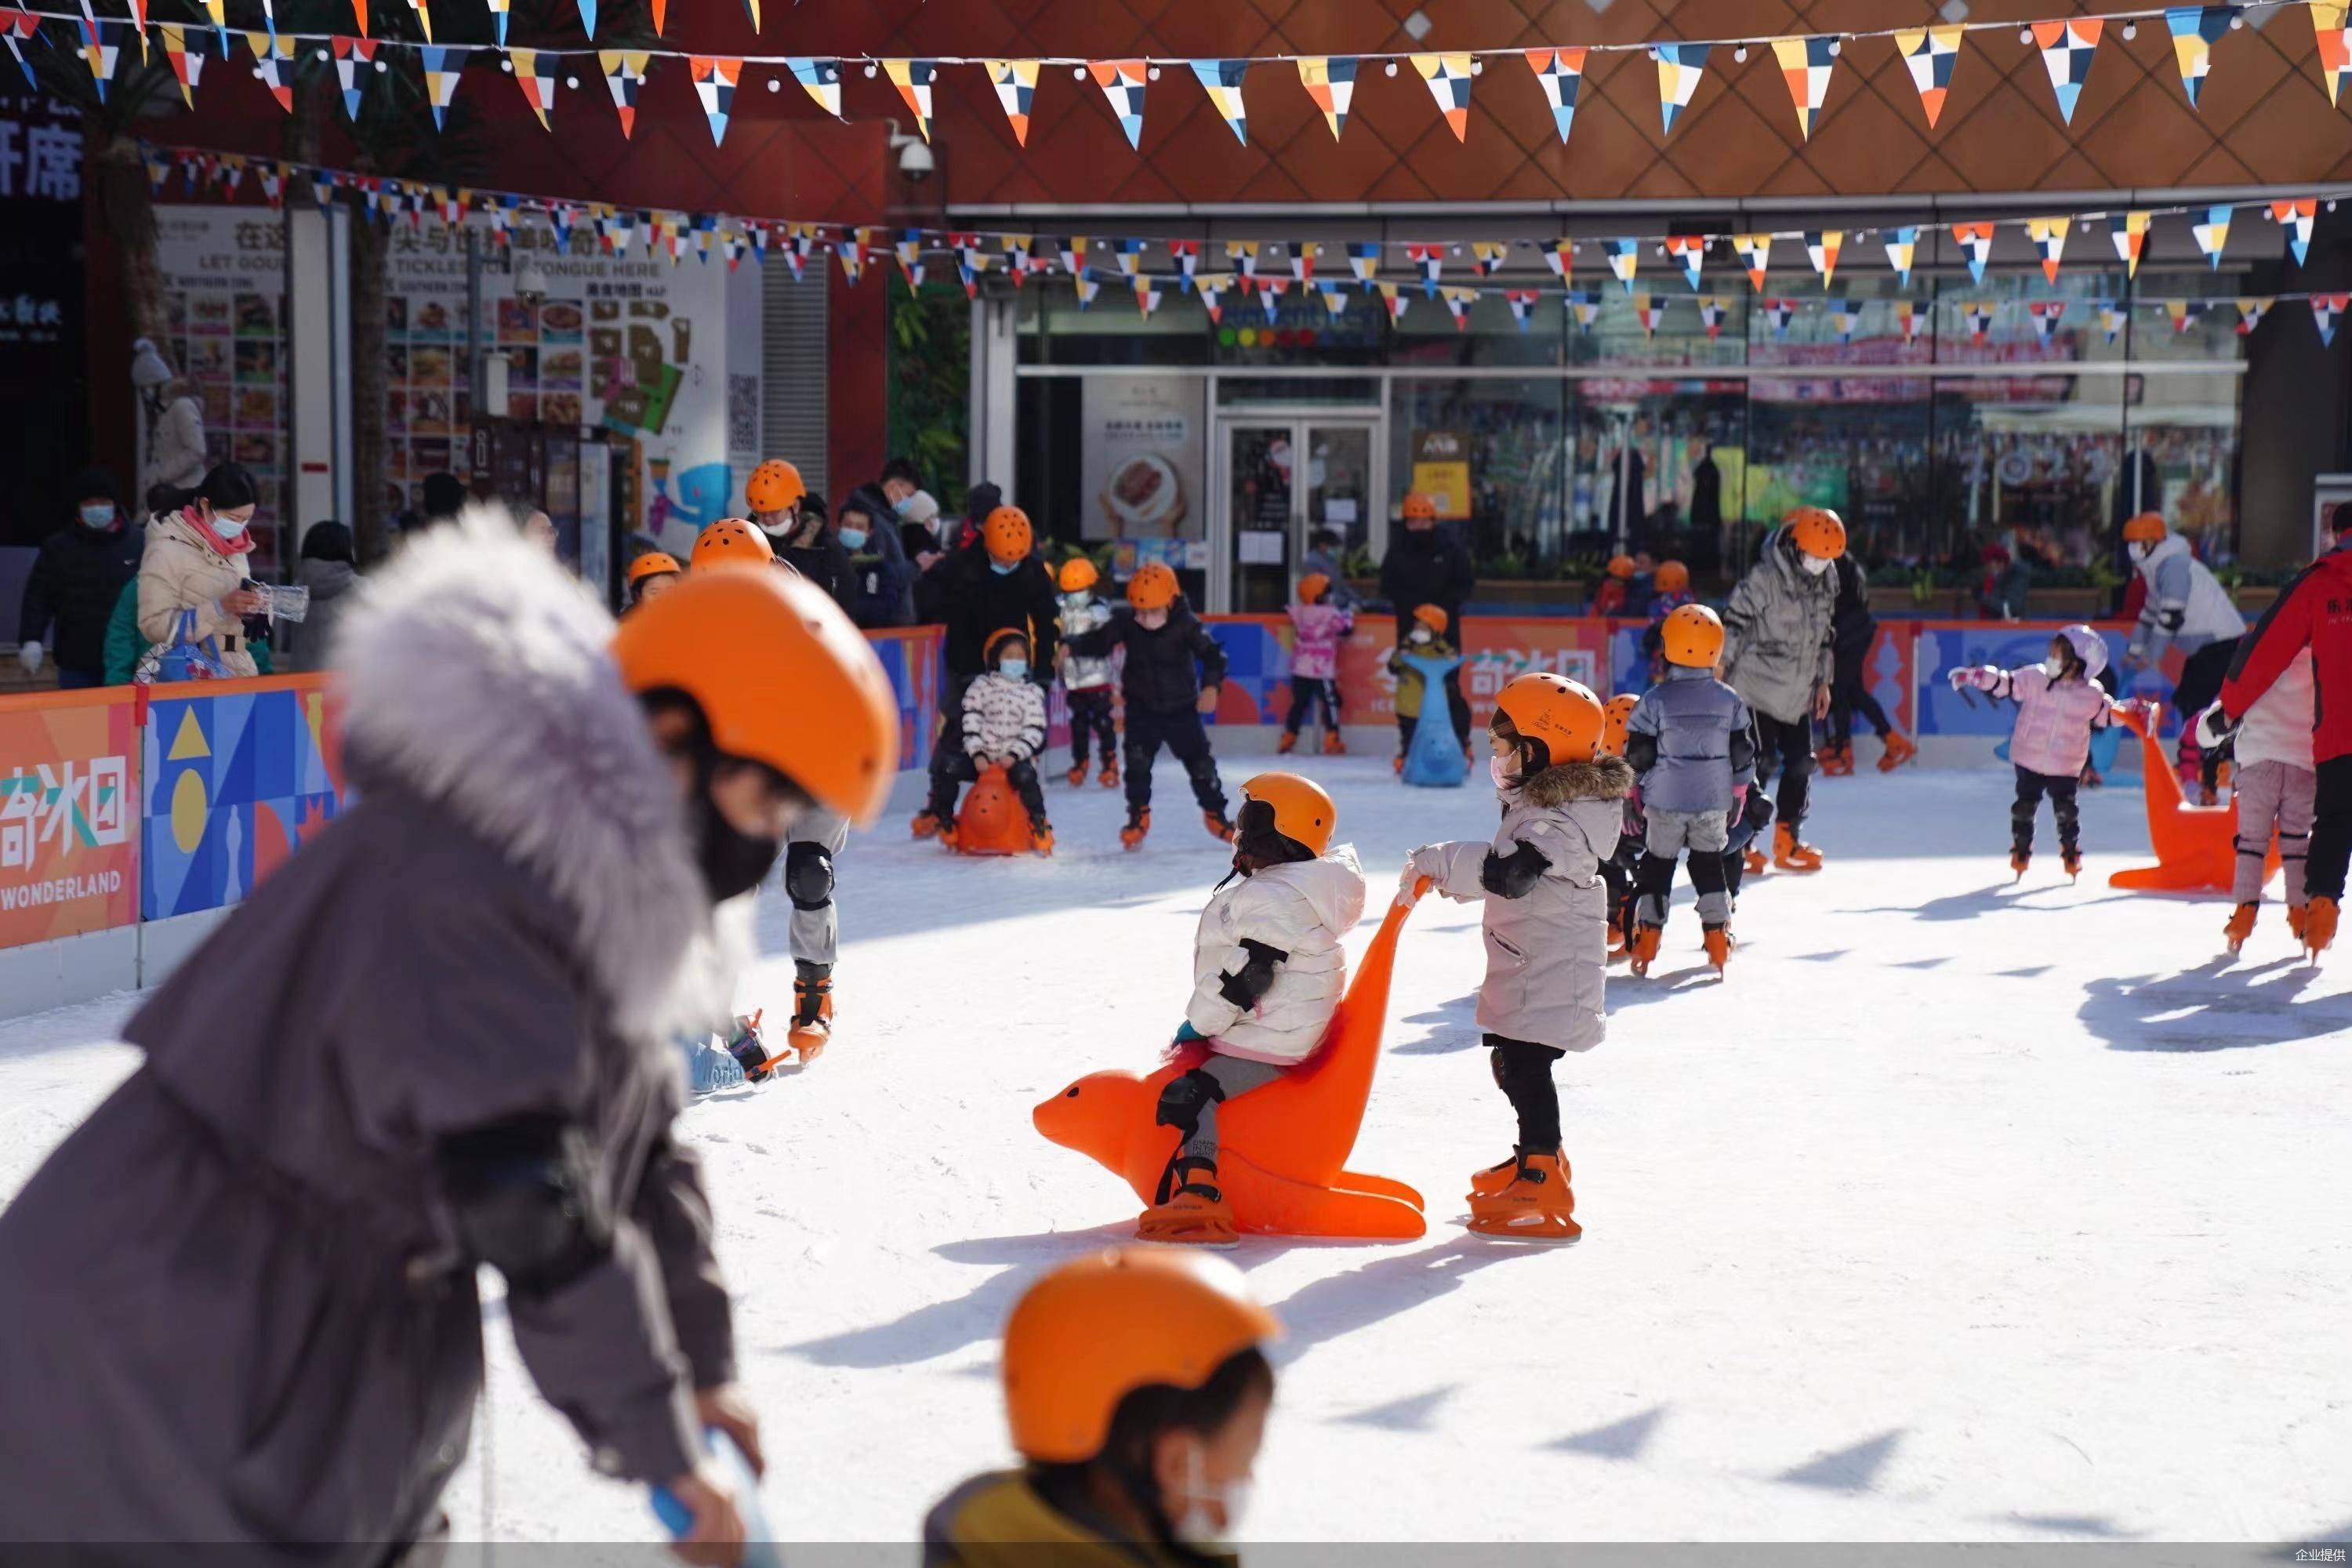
{"x":1287,"y":483}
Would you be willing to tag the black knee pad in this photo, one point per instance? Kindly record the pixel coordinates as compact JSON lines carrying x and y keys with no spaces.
{"x":808,"y":875}
{"x":1187,"y":1094}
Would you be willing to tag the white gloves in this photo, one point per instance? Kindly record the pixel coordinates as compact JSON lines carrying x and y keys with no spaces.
{"x":2213,"y":727}
{"x":29,"y":656}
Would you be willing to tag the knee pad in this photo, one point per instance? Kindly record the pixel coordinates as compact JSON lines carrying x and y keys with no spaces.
{"x":1187,"y":1094}
{"x":808,"y":875}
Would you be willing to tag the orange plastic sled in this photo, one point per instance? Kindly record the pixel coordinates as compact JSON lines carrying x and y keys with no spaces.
{"x":1282,"y":1148}
{"x":993,"y":821}
{"x":2196,"y":845}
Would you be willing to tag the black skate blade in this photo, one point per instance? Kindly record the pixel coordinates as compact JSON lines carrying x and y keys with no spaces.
{"x":1534,"y":1239}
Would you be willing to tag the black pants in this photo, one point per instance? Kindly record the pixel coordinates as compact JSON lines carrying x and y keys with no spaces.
{"x":963,"y":768}
{"x":1654,"y":875}
{"x":1523,"y":1072}
{"x":949,"y":745}
{"x":1753,"y":821}
{"x":1851,"y":691}
{"x":1790,"y":747}
{"x":1090,"y":716}
{"x":1457,"y":705}
{"x":2201,"y":674}
{"x":1183,"y":734}
{"x":1305,"y":691}
{"x":2331,"y":831}
{"x":2030,"y":787}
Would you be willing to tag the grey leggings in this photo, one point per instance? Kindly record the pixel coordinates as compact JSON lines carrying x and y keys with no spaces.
{"x":1189,"y":1102}
{"x":2268,"y":793}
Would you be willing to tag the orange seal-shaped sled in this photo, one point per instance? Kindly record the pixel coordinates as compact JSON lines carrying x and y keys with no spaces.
{"x":2196,"y":845}
{"x":1282,"y":1148}
{"x":991,"y":821}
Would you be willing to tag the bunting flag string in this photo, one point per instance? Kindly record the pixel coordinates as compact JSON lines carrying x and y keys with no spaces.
{"x":442,"y":68}
{"x":2195,"y":30}
{"x":1147,"y":296}
{"x":1560,"y":72}
{"x":1458,"y":301}
{"x":1679,"y":68}
{"x":1448,"y":77}
{"x":2297,"y":218}
{"x":99,"y":48}
{"x":1364,"y":259}
{"x":1185,"y":253}
{"x":1805,"y":65}
{"x":1074,"y":254}
{"x":1930,"y":53}
{"x":1302,"y":262}
{"x":1431,"y":260}
{"x":2066,"y":50}
{"x":2049,"y":237}
{"x":1129,"y":256}
{"x":2129,"y":231}
{"x":1335,"y":299}
{"x":1243,"y":254}
{"x":15,"y":25}
{"x":538,"y":77}
{"x":1016,"y":93}
{"x":1912,"y":318}
{"x":1212,"y":291}
{"x":1331,"y":84}
{"x":274,"y":56}
{"x":351,"y":56}
{"x":1270,"y":292}
{"x":1976,"y":240}
{"x":1221,"y":80}
{"x":187,"y":66}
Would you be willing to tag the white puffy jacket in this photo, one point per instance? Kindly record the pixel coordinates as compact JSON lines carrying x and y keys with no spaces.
{"x":2187,"y":606}
{"x":1300,"y":910}
{"x":1003,"y":719}
{"x":2277,"y":728}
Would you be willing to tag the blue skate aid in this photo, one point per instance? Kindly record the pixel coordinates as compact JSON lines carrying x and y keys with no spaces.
{"x":1435,"y":759}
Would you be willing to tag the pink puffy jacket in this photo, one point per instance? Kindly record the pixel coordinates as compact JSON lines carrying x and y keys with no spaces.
{"x":1320,"y":627}
{"x":2054,"y":718}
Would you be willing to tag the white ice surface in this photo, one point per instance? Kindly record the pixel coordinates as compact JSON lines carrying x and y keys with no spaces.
{"x":1960,"y":1211}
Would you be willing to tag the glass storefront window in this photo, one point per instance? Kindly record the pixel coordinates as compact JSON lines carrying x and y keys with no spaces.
{"x":1856,"y":444}
{"x":2031,"y":459}
{"x":2183,"y":432}
{"x":1494,"y":453}
{"x":1656,"y":465}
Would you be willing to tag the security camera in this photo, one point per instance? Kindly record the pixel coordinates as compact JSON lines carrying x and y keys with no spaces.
{"x":529,"y":284}
{"x":915,"y":161}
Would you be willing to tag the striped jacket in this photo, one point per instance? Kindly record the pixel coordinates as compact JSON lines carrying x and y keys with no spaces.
{"x":1003,"y":719}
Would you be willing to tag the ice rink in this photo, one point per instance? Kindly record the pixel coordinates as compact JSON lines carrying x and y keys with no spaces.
{"x":1960,"y":1211}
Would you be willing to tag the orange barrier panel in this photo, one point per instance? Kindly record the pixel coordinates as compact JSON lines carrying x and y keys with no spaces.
{"x":2196,"y":845}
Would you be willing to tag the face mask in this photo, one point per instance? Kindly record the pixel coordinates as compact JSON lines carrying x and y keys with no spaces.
{"x":1002,"y":568}
{"x":733,"y":862}
{"x":99,"y":516}
{"x":853,"y":538}
{"x":2054,"y":667}
{"x":1013,"y":669}
{"x":901,"y":504}
{"x":1815,"y":565}
{"x":230,"y":527}
{"x":1500,"y":772}
{"x":1193,"y":1524}
{"x":2141,"y":550}
{"x":1077,"y":601}
{"x":1420,"y":634}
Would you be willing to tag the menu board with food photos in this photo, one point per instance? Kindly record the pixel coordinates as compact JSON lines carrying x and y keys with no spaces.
{"x":224,"y":296}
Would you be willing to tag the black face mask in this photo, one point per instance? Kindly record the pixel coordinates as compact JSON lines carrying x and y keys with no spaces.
{"x":733,"y":862}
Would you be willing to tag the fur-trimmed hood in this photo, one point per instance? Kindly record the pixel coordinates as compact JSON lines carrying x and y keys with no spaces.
{"x":479,"y":676}
{"x":1603,"y":778}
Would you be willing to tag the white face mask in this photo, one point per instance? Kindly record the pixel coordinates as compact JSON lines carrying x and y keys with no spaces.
{"x":1420,"y":634}
{"x":2142,"y":549}
{"x":2054,"y":667}
{"x":1191,"y":1522}
{"x":230,"y":527}
{"x":1815,"y":565}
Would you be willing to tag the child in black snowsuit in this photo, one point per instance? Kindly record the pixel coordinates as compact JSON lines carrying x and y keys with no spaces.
{"x":1174,"y":668}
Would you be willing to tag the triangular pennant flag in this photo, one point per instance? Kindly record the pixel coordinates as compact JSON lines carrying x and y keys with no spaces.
{"x":2066,"y":50}
{"x":99,"y":48}
{"x":1712,"y":309}
{"x":1585,"y":304}
{"x":1690,"y":249}
{"x":588,"y":26}
{"x":561,"y":216}
{"x":909,"y":250}
{"x":2045,"y":318}
{"x":498,"y":18}
{"x":1679,"y":68}
{"x":1902,"y":248}
{"x":1756,"y":251}
{"x":275,"y":57}
{"x":2195,"y":30}
{"x":1930,"y":52}
{"x":1649,"y":312}
{"x":1395,"y":300}
{"x":1330,"y":82}
{"x":1458,"y":301}
{"x":970,"y":280}
{"x":1448,"y":77}
{"x":2129,"y":231}
{"x":1779,"y":312}
{"x":913,"y":80}
{"x":1430,"y":260}
{"x":620,"y":226}
{"x":1087,"y":290}
{"x":2334,"y":52}
{"x":1221,"y":80}
{"x":2250,"y":313}
{"x":1522,"y":302}
{"x":759,"y":242}
{"x":1147,"y":295}
{"x":1130,"y":255}
{"x":731,"y":244}
{"x":714,"y":83}
{"x":2324,"y":309}
{"x":1122,"y":82}
{"x":1212,"y":290}
{"x":1980,"y":319}
{"x":625,"y":73}
{"x":1561,"y":72}
{"x":849,"y":248}
{"x":2049,"y":237}
{"x":1186,"y":253}
{"x":1302,"y":263}
{"x":158,"y":167}
{"x":2297,"y":218}
{"x":1074,"y":254}
{"x":1487,"y":256}
{"x":502,"y":214}
{"x":538,"y":73}
{"x":273,"y":184}
{"x":1270,"y":292}
{"x":1805,"y":65}
{"x":452,"y":207}
{"x":753,"y":7}
{"x":1843,"y":316}
{"x":187,"y":69}
{"x":322,"y":185}
{"x":1624,"y":255}
{"x":661,"y":17}
{"x":1559,"y":256}
{"x":14,"y":25}
{"x":819,"y":78}
{"x":1335,"y":299}
{"x":1976,"y":240}
{"x":352,"y":56}
{"x":1364,"y":259}
{"x":442,"y":68}
{"x":1912,"y":318}
{"x":359,"y":15}
{"x":1016,"y":92}
{"x":424,"y":17}
{"x":1821,"y":247}
{"x":2213,"y":234}
{"x":2182,"y":312}
{"x":2113,"y":318}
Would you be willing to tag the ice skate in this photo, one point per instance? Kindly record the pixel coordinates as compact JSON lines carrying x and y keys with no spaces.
{"x":2018,"y":859}
{"x":1041,"y":838}
{"x":1718,"y":939}
{"x":926,"y":824}
{"x":2072,"y":860}
{"x":2297,"y":917}
{"x":1077,"y":774}
{"x":1333,"y":745}
{"x":1396,"y":763}
{"x":1139,"y":822}
{"x":1197,"y":1216}
{"x":2239,"y":927}
{"x":1619,"y":948}
{"x":1834,"y":761}
{"x":1486,"y":1183}
{"x":2319,"y":926}
{"x":1753,"y":861}
{"x":749,"y":1049}
{"x":1646,"y":939}
{"x":948,"y":834}
{"x":1219,"y":828}
{"x":1111,"y":775}
{"x":1535,"y":1206}
{"x":1287,"y":744}
{"x":1900,"y":749}
{"x":811,"y":1028}
{"x":1790,"y":854}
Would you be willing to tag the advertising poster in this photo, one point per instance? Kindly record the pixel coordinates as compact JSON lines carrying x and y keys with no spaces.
{"x":224,"y":293}
{"x":1142,"y":460}
{"x":69,"y":801}
{"x":43,"y":396}
{"x":1441,"y":470}
{"x":235,"y":782}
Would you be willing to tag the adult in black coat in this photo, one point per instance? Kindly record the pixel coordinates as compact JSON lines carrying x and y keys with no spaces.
{"x":995,"y":582}
{"x":809,"y":547}
{"x":76,"y":579}
{"x":1426,"y":565}
{"x":880,"y":575}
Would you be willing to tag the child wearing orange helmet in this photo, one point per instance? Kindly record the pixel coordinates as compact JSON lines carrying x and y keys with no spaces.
{"x":1174,"y":672}
{"x":1692,"y":744}
{"x":1003,"y":723}
{"x":1609,"y":599}
{"x":1319,"y":625}
{"x":1137,"y":1390}
{"x":1428,"y":639}
{"x":1085,"y":681}
{"x":1547,"y":917}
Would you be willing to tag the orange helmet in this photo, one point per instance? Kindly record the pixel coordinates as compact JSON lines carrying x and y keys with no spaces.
{"x":1008,"y":535}
{"x":1692,"y":637}
{"x":652,"y":564}
{"x":1819,"y":531}
{"x":774,"y":486}
{"x":2148,"y":528}
{"x":1153,"y":586}
{"x":1077,"y":574}
{"x":1301,"y":809}
{"x":733,"y":541}
{"x":1670,"y":577}
{"x":1561,"y":713}
{"x":1434,"y":618}
{"x":1313,"y":586}
{"x":1418,"y":505}
{"x":1614,"y":715}
{"x":782,"y":676}
{"x":998,"y":638}
{"x":1621,"y":566}
{"x":1091,"y":1333}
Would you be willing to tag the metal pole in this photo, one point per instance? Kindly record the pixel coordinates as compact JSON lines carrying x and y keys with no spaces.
{"x":474,"y":348}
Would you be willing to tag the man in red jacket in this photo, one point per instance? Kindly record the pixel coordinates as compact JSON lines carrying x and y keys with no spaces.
{"x":2315,"y":609}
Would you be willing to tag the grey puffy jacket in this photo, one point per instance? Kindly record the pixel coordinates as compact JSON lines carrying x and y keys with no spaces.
{"x":1548,"y":947}
{"x":1690,"y":744}
{"x":1775,"y":633}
